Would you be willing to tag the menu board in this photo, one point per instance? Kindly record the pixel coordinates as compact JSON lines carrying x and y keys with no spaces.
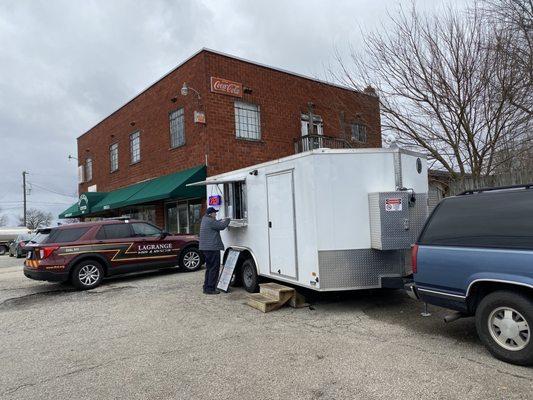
{"x":225,"y":276}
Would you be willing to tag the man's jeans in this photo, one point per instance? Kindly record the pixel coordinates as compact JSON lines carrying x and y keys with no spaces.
{"x":212,"y":267}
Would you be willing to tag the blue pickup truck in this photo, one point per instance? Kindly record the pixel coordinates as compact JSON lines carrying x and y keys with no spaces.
{"x":475,"y":256}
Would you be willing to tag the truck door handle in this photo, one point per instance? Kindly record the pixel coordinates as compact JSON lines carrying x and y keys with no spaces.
{"x":270,"y":224}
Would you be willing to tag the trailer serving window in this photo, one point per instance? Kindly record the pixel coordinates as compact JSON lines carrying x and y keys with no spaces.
{"x":235,"y":200}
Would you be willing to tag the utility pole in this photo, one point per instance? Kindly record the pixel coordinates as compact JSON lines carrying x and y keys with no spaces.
{"x":24,"y":173}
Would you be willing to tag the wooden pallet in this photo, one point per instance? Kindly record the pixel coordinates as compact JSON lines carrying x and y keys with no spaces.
{"x":273,"y":296}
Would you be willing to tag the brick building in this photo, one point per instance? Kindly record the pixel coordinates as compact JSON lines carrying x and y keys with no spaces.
{"x":211,"y":114}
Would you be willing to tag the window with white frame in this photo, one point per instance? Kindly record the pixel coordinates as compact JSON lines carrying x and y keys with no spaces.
{"x":235,"y":200}
{"x":359,"y":132}
{"x":317,"y":125}
{"x":135,"y":147}
{"x":177,"y":128}
{"x":113,"y":157}
{"x":247,"y":121}
{"x":88,"y":169}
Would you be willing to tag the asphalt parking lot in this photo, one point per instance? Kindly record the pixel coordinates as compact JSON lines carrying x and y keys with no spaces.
{"x":156,"y":336}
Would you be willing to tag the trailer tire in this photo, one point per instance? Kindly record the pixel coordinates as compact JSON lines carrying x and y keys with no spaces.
{"x":250,"y":279}
{"x":3,"y":250}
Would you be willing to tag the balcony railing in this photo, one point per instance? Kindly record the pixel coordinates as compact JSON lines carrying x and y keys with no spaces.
{"x":312,"y":142}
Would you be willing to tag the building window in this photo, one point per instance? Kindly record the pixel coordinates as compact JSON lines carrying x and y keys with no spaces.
{"x":247,"y":121}
{"x":135,"y":147}
{"x":359,"y":132}
{"x":183,"y":216}
{"x":317,"y":125}
{"x":88,"y":169}
{"x":177,"y":128}
{"x":113,"y":157}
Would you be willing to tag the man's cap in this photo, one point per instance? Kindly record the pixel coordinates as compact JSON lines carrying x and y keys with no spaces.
{"x":211,"y":210}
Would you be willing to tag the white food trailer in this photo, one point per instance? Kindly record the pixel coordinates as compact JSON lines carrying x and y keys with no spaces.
{"x":324,"y":219}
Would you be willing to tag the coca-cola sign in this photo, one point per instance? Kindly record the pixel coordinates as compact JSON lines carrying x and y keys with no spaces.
{"x":223,"y":86}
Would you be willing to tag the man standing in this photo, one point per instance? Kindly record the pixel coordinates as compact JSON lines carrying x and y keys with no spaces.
{"x":211,"y":245}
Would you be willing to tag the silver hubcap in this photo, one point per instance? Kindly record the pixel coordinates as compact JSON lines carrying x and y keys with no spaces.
{"x":509,"y":328}
{"x":191,"y":260}
{"x":89,"y":274}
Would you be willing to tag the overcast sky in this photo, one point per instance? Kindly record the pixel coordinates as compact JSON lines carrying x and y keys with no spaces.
{"x":65,"y":65}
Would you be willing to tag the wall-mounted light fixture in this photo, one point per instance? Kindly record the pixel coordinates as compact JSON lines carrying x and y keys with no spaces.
{"x":185,"y":90}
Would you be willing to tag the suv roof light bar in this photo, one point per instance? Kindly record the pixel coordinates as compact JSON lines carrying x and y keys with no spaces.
{"x":480,"y":190}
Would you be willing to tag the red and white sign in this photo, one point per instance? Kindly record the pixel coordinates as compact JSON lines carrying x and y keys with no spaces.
{"x":199,"y":117}
{"x":223,"y":86}
{"x":393,"y":204}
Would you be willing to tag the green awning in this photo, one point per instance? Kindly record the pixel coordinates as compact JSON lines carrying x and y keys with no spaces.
{"x":83,"y":206}
{"x":72,"y":212}
{"x":171,"y":186}
{"x":165,"y":187}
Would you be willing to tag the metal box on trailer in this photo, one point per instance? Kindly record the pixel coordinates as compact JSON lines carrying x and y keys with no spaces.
{"x":325,"y":219}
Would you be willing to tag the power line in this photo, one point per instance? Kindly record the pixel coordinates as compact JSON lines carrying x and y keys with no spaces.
{"x":51,"y":191}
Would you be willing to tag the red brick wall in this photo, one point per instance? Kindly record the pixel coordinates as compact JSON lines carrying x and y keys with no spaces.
{"x":282,"y":98}
{"x":150,"y":112}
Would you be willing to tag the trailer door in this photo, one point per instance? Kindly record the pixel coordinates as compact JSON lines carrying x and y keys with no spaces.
{"x":281,"y":224}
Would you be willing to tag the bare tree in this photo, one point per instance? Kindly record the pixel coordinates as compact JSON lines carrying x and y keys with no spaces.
{"x":514,"y":38}
{"x":36,"y":218}
{"x":445,"y":88}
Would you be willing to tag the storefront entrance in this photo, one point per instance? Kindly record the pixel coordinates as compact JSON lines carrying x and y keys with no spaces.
{"x":183,"y":216}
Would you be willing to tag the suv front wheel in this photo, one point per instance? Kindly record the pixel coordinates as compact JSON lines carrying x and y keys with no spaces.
{"x":504,"y":322}
{"x":87,"y":275}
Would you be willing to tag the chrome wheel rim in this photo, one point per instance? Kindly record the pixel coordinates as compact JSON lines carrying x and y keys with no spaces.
{"x":509,"y":328}
{"x":191,"y":260}
{"x":88,"y":275}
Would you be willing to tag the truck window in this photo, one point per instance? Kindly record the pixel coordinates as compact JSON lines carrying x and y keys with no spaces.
{"x":66,"y":235}
{"x":499,"y":219}
{"x":235,"y":200}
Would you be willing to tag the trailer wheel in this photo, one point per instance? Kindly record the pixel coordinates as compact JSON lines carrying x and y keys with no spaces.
{"x":3,"y":250}
{"x":504,"y":322}
{"x":250,"y":280}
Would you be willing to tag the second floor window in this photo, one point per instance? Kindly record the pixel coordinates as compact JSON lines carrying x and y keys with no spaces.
{"x":113,"y":157}
{"x":177,"y":128}
{"x":359,"y":132}
{"x":88,"y":169}
{"x":316,"y":128}
{"x":247,"y":121}
{"x":135,"y":147}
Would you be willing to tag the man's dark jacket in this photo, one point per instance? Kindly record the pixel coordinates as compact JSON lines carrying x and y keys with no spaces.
{"x":210,"y":233}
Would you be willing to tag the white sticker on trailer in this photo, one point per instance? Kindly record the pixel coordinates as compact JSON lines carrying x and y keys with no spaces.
{"x":393,"y":204}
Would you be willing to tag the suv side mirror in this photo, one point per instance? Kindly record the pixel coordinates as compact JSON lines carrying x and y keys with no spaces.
{"x":164,"y":234}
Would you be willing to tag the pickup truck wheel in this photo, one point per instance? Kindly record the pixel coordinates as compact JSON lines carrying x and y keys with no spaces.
{"x":87,"y":275}
{"x":250,"y":280}
{"x":191,"y":259}
{"x":504,"y":322}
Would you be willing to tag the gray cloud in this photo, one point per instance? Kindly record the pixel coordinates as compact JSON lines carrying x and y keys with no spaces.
{"x":65,"y":65}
